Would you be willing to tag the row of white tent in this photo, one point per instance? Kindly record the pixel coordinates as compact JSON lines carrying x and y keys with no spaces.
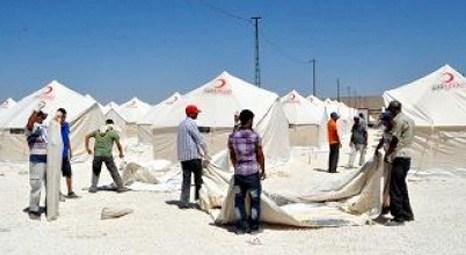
{"x":436,"y":102}
{"x":290,"y":118}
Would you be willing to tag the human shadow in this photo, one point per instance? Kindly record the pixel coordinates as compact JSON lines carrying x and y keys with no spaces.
{"x":42,"y":210}
{"x":178,"y":204}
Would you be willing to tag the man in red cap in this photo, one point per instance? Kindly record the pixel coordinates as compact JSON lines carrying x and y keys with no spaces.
{"x":191,"y":149}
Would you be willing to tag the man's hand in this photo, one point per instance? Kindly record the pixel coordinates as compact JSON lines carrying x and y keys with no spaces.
{"x":263,"y":175}
{"x":121,"y":155}
{"x":89,"y":151}
{"x":387,"y":158}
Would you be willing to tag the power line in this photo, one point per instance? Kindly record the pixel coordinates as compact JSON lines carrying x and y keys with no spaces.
{"x":223,"y":11}
{"x":278,"y":49}
{"x":281,"y":51}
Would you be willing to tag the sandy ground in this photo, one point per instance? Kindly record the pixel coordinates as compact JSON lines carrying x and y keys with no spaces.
{"x":157,"y":227}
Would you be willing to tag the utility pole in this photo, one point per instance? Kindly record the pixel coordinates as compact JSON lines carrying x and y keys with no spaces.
{"x":338,"y":89}
{"x":313,"y":61}
{"x":257,"y":70}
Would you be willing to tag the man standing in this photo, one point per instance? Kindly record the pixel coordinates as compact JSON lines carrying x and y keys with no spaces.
{"x":400,"y":156}
{"x":363,"y":120}
{"x":247,"y":157}
{"x":189,"y":146}
{"x":334,"y":142}
{"x":358,"y":142}
{"x":104,"y":138}
{"x":36,"y":133}
{"x":67,"y":154}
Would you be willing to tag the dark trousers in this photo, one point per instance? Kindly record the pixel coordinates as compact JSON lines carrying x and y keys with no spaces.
{"x":244,"y":185}
{"x":333,"y":158}
{"x":191,"y":166}
{"x":400,"y":207}
{"x":97,"y":168}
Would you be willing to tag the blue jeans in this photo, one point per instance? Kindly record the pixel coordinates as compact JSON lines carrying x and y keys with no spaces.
{"x":244,"y":185}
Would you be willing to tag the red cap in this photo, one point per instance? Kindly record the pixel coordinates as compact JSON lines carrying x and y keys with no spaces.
{"x":191,"y":109}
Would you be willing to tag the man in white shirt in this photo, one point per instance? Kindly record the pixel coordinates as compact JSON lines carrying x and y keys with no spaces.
{"x":399,"y":153}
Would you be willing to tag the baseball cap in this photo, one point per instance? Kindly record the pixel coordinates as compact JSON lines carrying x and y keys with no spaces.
{"x":334,"y":115}
{"x":190,"y":109}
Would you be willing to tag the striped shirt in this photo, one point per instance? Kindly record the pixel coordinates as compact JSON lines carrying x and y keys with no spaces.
{"x":37,"y":141}
{"x":244,"y":143}
{"x":190,"y":141}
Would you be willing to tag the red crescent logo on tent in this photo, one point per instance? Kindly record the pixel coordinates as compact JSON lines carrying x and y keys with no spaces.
{"x":220,"y":83}
{"x":48,"y":90}
{"x":47,"y":93}
{"x":448,"y":77}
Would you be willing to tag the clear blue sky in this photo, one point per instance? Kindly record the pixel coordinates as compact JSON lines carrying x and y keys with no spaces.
{"x":119,"y":49}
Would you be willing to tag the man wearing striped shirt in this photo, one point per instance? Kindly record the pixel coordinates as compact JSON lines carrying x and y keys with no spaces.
{"x":191,"y":149}
{"x":36,"y":133}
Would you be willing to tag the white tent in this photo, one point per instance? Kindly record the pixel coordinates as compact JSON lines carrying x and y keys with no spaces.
{"x":109,"y":106}
{"x":132,"y":112}
{"x":303,"y":119}
{"x":315,"y":100}
{"x":219,"y":100}
{"x":437,"y":104}
{"x":102,"y":108}
{"x":84,"y":116}
{"x":6,"y":105}
{"x":155,"y":113}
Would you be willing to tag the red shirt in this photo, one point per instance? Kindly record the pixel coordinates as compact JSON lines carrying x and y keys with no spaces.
{"x":332,"y":131}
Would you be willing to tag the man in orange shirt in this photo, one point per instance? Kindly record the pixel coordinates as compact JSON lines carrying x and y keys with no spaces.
{"x":334,"y":142}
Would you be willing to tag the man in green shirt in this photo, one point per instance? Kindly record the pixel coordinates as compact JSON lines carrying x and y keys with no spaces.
{"x":103,"y":145}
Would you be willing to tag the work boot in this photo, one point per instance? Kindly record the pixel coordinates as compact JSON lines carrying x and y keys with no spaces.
{"x":395,"y":223}
{"x":34,"y":215}
{"x":122,"y":189}
{"x":94,"y":183}
{"x":72,"y":195}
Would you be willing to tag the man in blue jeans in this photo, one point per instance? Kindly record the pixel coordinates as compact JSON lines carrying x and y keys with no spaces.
{"x":247,"y":158}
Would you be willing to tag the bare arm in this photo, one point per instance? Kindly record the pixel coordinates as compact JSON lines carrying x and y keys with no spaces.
{"x":391,"y":149}
{"x":261,"y":160}
{"x":232,"y":154}
{"x":120,"y":148}
{"x":86,"y":142}
{"x":31,"y":120}
{"x":366,"y":137}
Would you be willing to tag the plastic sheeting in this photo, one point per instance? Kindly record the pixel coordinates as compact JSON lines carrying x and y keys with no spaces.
{"x":53,"y":172}
{"x":354,"y":201}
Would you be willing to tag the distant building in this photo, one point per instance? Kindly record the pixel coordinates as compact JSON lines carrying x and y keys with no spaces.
{"x":372,"y":104}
